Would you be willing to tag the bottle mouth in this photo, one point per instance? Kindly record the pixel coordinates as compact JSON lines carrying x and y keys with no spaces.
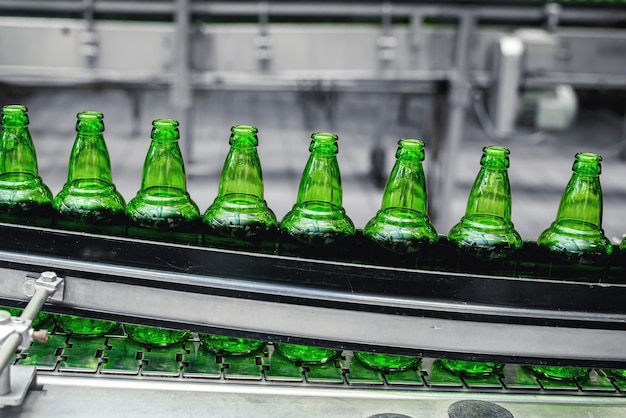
{"x":89,"y":121}
{"x":410,"y":147}
{"x":165,"y":130}
{"x":244,"y":130}
{"x":14,"y":115}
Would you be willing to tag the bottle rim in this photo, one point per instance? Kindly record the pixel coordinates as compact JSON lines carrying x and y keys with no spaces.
{"x":411,"y":143}
{"x":588,"y":157}
{"x":14,"y":109}
{"x":324,"y":137}
{"x":244,"y":130}
{"x":89,"y":115}
{"x":165,"y":123}
{"x":496,"y":151}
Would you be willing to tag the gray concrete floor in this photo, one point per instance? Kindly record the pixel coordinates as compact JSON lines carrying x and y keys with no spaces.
{"x":540,"y":166}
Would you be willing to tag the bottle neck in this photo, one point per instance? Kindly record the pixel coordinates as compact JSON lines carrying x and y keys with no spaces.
{"x":406,"y":187}
{"x":491,"y":193}
{"x":321,"y":180}
{"x":242,"y":171}
{"x":89,"y":158}
{"x":17,"y":151}
{"x":164,"y":166}
{"x":582,"y":200}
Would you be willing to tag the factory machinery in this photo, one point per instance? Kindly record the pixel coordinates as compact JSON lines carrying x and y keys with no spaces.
{"x":444,"y":50}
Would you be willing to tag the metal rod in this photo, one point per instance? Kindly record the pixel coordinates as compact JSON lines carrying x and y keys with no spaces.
{"x":35,"y":304}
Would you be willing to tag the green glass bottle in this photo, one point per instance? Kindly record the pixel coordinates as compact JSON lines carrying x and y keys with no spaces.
{"x":470,"y":368}
{"x":619,"y":374}
{"x":304,"y":354}
{"x":401,"y":229}
{"x":80,"y":326}
{"x":575,"y":241}
{"x":24,"y":198}
{"x":89,"y":201}
{"x":387,"y":362}
{"x":559,"y":372}
{"x":239,"y":218}
{"x":163,"y":210}
{"x":152,"y":336}
{"x":317,"y":224}
{"x":485,"y":237}
{"x":230,"y":345}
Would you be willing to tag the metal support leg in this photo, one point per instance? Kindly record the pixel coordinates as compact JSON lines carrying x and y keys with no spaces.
{"x":458,"y":101}
{"x":17,"y":333}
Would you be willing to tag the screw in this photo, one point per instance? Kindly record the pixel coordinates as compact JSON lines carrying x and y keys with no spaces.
{"x":48,"y":276}
{"x":29,"y":288}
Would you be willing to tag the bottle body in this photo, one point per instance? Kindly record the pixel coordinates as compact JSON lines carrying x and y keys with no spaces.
{"x":89,"y":201}
{"x":24,"y":198}
{"x":240,"y":218}
{"x":163,"y":210}
{"x":485,"y":238}
{"x":317,"y":224}
{"x":401,"y":232}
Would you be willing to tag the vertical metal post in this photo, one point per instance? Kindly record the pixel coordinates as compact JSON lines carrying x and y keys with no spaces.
{"x":181,"y":89}
{"x":458,"y":101}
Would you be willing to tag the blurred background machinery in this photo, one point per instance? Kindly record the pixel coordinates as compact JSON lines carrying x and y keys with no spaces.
{"x":524,"y":74}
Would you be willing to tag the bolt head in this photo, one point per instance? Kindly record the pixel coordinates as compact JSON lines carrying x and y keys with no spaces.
{"x":48,"y":276}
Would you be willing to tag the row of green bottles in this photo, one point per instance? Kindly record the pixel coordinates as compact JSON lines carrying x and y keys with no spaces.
{"x":484,"y":240}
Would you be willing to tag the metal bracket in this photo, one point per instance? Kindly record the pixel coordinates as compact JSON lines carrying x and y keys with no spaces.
{"x":47,"y":282}
{"x":17,"y":333}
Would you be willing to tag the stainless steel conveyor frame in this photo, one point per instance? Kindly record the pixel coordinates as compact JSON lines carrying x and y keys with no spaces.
{"x":332,"y":304}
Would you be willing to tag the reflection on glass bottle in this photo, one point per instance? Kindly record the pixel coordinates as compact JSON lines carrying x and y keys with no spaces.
{"x":84,"y":327}
{"x":470,"y":368}
{"x":162,"y":209}
{"x":401,"y":229}
{"x":239,"y":218}
{"x":387,"y":362}
{"x":24,"y":198}
{"x":158,"y":337}
{"x":560,"y":373}
{"x":89,"y":201}
{"x":317,"y":224}
{"x":230,"y":345}
{"x":307,"y":355}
